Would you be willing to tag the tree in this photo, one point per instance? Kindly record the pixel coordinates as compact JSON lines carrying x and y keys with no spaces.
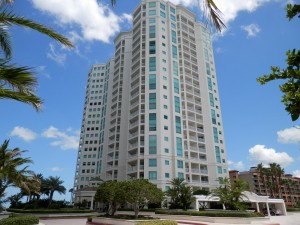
{"x":15,"y":200}
{"x":112,"y":194}
{"x":10,"y":172}
{"x":181,"y":195}
{"x":140,"y":192}
{"x":54,"y":184}
{"x":18,"y":82}
{"x":291,"y":74}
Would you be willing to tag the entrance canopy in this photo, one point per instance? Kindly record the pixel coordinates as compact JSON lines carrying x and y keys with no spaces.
{"x":248,"y":197}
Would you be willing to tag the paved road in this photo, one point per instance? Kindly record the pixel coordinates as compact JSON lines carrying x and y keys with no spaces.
{"x":291,"y":219}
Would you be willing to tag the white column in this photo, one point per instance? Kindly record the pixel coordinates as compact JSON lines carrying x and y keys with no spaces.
{"x":257,"y":207}
{"x":92,"y":203}
{"x":268,"y":209}
{"x":197,"y":204}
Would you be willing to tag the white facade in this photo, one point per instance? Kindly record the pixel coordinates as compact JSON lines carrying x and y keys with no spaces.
{"x":160,"y":112}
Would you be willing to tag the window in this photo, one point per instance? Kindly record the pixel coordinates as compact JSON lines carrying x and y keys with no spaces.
{"x":167,"y":162}
{"x":178,"y":124}
{"x":218,"y":154}
{"x":174,"y":52}
{"x":180,"y":176}
{"x":175,"y":68}
{"x":152,"y":12}
{"x":162,"y":6}
{"x":152,"y":175}
{"x":152,"y":64}
{"x":211,"y":100}
{"x":165,"y":117}
{"x":152,"y":100}
{"x":166,"y":150}
{"x":213,"y":116}
{"x":179,"y":146}
{"x":152,"y":20}
{"x":216,"y":138}
{"x":219,"y":169}
{"x":152,"y":144}
{"x":174,"y":39}
{"x":177,"y":104}
{"x":165,"y":107}
{"x":166,"y":139}
{"x":152,"y":121}
{"x":152,"y":31}
{"x":172,"y":10}
{"x":208,"y":68}
{"x":180,"y":164}
{"x":152,"y":163}
{"x":173,"y":17}
{"x":167,"y":175}
{"x":176,"y":85}
{"x":164,"y":78}
{"x":209,"y":83}
{"x":152,"y":47}
{"x":165,"y":97}
{"x":162,"y":14}
{"x":166,"y":128}
{"x":152,"y":82}
{"x":152,"y":4}
{"x":165,"y":87}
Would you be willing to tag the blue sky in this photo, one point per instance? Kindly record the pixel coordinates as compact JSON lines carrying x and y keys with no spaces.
{"x":256,"y":126}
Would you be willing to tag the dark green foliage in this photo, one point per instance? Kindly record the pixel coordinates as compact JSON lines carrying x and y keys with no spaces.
{"x":293,"y":209}
{"x":181,"y":195}
{"x":210,"y":213}
{"x":158,"y":222}
{"x":291,"y":74}
{"x":46,"y":211}
{"x":20,"y":220}
{"x":128,"y":217}
{"x":201,"y":192}
{"x":40,"y":204}
{"x":90,"y":219}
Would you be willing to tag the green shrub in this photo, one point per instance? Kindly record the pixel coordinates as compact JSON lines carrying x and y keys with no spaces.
{"x":293,"y":209}
{"x":66,"y":210}
{"x":210,"y":213}
{"x":158,"y":222}
{"x":20,"y":220}
{"x":90,"y":219}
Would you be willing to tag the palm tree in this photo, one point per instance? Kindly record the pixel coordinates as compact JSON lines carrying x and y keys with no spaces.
{"x":19,"y":83}
{"x":10,"y":172}
{"x":54,"y":184}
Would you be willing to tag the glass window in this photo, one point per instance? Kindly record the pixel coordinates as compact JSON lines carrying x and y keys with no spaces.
{"x":162,"y":6}
{"x":152,"y":121}
{"x":152,"y":31}
{"x":167,"y":162}
{"x":152,"y":175}
{"x":152,"y":20}
{"x":167,"y":175}
{"x":172,"y":10}
{"x":152,"y":4}
{"x":218,"y":154}
{"x":174,"y":39}
{"x":166,"y":139}
{"x":177,"y":104}
{"x":178,"y":124}
{"x":152,"y":144}
{"x":152,"y":82}
{"x":165,"y":107}
{"x":152,"y":162}
{"x":180,"y":164}
{"x":216,"y":138}
{"x":173,"y":17}
{"x":162,"y":14}
{"x":213,"y":116}
{"x":152,"y":64}
{"x":180,"y":176}
{"x":152,"y":47}
{"x":176,"y":85}
{"x":179,"y":146}
{"x":208,"y":68}
{"x":166,"y":128}
{"x":152,"y":12}
{"x":174,"y":52}
{"x":211,"y":100}
{"x":209,"y":83}
{"x":219,"y":169}
{"x":152,"y":100}
{"x":165,"y":117}
{"x":175,"y":68}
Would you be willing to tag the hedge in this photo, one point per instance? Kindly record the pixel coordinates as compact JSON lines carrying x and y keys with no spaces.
{"x":49,"y":211}
{"x":293,"y":209}
{"x":20,"y":220}
{"x":210,"y":213}
{"x":158,"y":222}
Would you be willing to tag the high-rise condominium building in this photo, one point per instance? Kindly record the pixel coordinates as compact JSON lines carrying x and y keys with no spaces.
{"x":153,"y":111}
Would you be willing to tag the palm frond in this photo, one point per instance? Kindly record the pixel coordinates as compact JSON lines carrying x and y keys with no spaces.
{"x":213,"y":14}
{"x":8,"y":19}
{"x":6,"y":2}
{"x":5,"y":41}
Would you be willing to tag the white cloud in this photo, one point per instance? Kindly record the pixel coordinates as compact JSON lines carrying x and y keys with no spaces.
{"x":23,"y":133}
{"x":95,"y":20}
{"x":261,"y":154}
{"x":296,"y":173}
{"x":56,"y":56}
{"x":236,"y":165}
{"x":289,"y":135}
{"x":56,"y":169}
{"x":251,"y":29}
{"x":63,"y":140}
